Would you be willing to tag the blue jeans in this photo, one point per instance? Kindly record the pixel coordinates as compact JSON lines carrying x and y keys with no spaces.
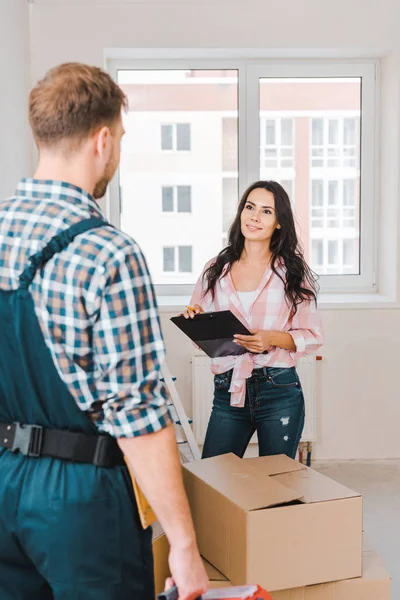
{"x":274,"y":408}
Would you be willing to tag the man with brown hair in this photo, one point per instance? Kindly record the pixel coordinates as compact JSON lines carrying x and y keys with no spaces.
{"x":80,"y":355}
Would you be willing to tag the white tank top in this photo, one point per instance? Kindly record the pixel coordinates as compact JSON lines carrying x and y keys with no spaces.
{"x":247,"y":298}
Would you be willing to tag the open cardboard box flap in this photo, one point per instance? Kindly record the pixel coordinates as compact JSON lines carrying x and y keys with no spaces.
{"x":240,"y":481}
{"x":275,"y":465}
{"x":308,"y":484}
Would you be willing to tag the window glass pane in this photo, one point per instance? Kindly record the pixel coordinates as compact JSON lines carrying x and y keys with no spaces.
{"x":317,"y":191}
{"x":317,"y":126}
{"x":317,"y":253}
{"x":318,"y":141}
{"x":184,"y":198}
{"x":230,"y":201}
{"x":185,"y":259}
{"x":333,"y":132}
{"x":169,"y":259}
{"x":270,"y":132}
{"x":333,"y":192}
{"x":166,"y":137}
{"x":287,"y":132}
{"x":333,"y":252}
{"x":167,"y":199}
{"x":350,"y":253}
{"x":288,"y":187}
{"x":195,"y":112}
{"x":349,"y":132}
{"x":349,"y":192}
{"x":183,"y":136}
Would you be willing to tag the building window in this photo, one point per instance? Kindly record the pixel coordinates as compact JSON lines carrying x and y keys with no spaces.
{"x":277,"y":143}
{"x":169,"y":259}
{"x":176,"y":137}
{"x":177,"y":259}
{"x":333,"y":216}
{"x":317,"y":256}
{"x":334,"y":142}
{"x":334,"y":256}
{"x":176,"y":199}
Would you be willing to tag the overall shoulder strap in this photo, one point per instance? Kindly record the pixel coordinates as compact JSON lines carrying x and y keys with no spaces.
{"x":58,"y":243}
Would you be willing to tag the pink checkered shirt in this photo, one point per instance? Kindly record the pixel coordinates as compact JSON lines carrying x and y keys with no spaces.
{"x":269,"y":311}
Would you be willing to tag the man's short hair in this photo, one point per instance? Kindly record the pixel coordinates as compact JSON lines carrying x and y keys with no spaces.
{"x":72,"y":101}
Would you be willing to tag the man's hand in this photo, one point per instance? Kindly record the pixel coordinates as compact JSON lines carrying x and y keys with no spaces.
{"x":258,"y":342}
{"x":155,"y":463}
{"x":188,"y":573}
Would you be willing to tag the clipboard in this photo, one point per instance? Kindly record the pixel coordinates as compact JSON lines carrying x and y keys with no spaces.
{"x":213,"y":332}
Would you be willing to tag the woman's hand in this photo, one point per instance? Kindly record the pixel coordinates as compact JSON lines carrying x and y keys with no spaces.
{"x":258,"y":342}
{"x":262,"y":340}
{"x":192,"y":311}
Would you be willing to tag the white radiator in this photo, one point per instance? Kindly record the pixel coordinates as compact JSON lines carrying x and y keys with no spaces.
{"x":203,"y":392}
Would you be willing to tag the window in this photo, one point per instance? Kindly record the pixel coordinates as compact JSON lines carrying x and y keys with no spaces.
{"x":177,"y":198}
{"x":334,"y":256}
{"x":317,"y":257}
{"x":176,"y":137}
{"x":277,"y":143}
{"x":334,"y":143}
{"x":300,"y":124}
{"x":288,"y":186}
{"x":177,"y":259}
{"x":169,"y":259}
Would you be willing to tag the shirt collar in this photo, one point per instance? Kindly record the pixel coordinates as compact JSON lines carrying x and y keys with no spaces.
{"x":57,"y":190}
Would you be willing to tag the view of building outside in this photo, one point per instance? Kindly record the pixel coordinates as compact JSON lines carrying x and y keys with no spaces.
{"x":179,"y":165}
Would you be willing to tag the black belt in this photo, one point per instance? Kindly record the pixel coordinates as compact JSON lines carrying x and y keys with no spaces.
{"x":36,"y":441}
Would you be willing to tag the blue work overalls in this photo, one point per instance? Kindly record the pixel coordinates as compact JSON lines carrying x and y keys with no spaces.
{"x":68,"y":531}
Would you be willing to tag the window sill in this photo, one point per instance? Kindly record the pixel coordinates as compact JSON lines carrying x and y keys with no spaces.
{"x":351,"y":301}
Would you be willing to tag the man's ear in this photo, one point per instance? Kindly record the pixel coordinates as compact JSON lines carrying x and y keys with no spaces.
{"x":103,"y":142}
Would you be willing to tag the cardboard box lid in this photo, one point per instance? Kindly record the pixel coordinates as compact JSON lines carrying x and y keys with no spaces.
{"x":275,"y":465}
{"x":309,"y":484}
{"x":241,"y":483}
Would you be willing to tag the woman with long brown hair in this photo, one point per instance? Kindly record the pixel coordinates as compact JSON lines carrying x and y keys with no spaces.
{"x":262,"y":277}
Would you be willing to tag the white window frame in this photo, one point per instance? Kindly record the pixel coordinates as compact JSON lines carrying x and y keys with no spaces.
{"x":249,"y":73}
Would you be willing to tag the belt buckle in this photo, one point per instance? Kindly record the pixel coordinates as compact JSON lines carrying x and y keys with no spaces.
{"x":28,"y":440}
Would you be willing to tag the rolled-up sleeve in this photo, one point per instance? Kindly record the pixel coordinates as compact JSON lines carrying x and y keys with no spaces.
{"x":129,"y":350}
{"x":306,"y":330}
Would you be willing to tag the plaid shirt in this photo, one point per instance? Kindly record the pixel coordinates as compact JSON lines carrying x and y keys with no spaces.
{"x":95,"y":305}
{"x":269,"y":311}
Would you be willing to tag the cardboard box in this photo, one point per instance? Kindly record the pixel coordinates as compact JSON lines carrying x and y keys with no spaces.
{"x":216,"y":579}
{"x":160,"y":556}
{"x":274,"y":522}
{"x":373,"y":585}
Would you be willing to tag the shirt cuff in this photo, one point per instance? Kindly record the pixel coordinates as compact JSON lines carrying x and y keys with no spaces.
{"x":300,"y":343}
{"x":136,"y":421}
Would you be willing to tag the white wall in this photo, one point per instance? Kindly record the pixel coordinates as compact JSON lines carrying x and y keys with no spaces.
{"x":15,"y":142}
{"x":359,"y":410}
